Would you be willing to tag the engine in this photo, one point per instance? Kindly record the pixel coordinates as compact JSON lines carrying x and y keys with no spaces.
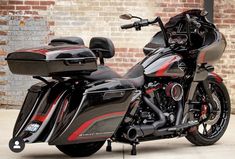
{"x":166,"y":97}
{"x":163,"y":96}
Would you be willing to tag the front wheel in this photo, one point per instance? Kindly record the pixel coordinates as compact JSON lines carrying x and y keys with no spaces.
{"x":210,"y":131}
{"x":81,"y":150}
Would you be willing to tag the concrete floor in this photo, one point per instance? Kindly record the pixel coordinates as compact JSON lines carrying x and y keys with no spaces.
{"x":178,"y":148}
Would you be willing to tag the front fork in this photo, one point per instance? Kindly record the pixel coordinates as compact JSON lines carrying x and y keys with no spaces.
{"x":201,"y":76}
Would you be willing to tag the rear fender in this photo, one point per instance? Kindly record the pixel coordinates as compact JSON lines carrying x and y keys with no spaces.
{"x":37,"y":111}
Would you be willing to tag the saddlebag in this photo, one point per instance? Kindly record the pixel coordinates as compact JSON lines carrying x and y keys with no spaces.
{"x":66,"y":60}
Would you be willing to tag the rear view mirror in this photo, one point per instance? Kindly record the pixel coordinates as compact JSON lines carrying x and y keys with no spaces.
{"x":126,"y":16}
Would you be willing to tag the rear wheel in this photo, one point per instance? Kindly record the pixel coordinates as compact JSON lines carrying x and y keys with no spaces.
{"x":81,"y":150}
{"x":210,"y":131}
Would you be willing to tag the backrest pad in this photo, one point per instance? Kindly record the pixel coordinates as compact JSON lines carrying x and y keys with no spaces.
{"x":103,"y":45}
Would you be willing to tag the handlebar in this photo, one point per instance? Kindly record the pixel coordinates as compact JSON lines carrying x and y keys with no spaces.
{"x":127,"y":26}
{"x":145,"y":22}
{"x":138,"y":24}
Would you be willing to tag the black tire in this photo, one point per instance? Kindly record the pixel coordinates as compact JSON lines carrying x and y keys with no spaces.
{"x":199,"y":139}
{"x":81,"y":150}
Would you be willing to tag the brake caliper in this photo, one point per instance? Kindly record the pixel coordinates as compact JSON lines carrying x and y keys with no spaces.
{"x":204,"y":111}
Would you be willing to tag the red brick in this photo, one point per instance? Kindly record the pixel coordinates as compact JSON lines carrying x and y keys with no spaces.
{"x":190,"y":1}
{"x":15,"y":2}
{"x":233,"y":86}
{"x":39,"y":7}
{"x":7,"y":7}
{"x":232,"y":36}
{"x":3,"y":42}
{"x":2,"y":93}
{"x":229,"y":11}
{"x":113,"y":64}
{"x":139,"y":55}
{"x":3,"y":82}
{"x":174,"y":5}
{"x":191,"y":5}
{"x":2,"y":53}
{"x":2,"y":73}
{"x":229,"y":21}
{"x":162,"y":4}
{"x":3,"y":63}
{"x":47,"y":2}
{"x":3,"y":33}
{"x":51,"y":33}
{"x":134,"y":49}
{"x":23,"y":7}
{"x":198,"y":1}
{"x":3,"y":2}
{"x":121,"y":49}
{"x":168,"y":9}
{"x":3,"y":22}
{"x":222,"y":26}
{"x":32,"y":2}
{"x":51,"y":23}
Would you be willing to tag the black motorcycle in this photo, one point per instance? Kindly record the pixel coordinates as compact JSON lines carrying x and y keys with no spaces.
{"x":172,"y":92}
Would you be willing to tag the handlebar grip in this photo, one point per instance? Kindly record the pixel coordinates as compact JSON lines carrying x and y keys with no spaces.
{"x":127,"y":26}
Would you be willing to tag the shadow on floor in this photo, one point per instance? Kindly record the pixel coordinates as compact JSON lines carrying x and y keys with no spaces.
{"x":121,"y":152}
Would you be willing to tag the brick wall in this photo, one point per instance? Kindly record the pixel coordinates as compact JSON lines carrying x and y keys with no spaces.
{"x":23,"y":24}
{"x":101,"y":18}
{"x":224,"y":19}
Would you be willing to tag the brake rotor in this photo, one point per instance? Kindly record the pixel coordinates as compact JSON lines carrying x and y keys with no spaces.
{"x":214,"y":117}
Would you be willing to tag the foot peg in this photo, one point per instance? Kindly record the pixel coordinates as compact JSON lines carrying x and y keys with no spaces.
{"x":109,"y":146}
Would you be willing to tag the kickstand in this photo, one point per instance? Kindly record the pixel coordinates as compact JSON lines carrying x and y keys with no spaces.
{"x":109,"y":146}
{"x":133,"y":150}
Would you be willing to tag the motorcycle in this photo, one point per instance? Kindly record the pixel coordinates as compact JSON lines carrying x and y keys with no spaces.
{"x":172,"y":92}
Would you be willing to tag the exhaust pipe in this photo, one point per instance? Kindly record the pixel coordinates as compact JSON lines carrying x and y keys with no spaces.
{"x":132,"y":132}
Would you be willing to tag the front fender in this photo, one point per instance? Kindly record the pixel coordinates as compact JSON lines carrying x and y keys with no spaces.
{"x":215,"y":76}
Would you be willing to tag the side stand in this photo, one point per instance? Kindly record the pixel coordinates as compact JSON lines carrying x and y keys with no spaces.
{"x":134,"y":149}
{"x":109,"y":146}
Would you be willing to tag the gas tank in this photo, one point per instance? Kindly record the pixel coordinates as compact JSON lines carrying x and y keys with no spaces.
{"x":164,"y":63}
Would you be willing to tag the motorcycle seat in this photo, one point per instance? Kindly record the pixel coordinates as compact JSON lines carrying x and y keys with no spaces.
{"x":103,"y":73}
{"x":135,"y":76}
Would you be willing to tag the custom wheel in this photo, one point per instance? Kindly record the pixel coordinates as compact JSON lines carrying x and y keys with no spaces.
{"x":216,"y":120}
{"x":81,"y":150}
